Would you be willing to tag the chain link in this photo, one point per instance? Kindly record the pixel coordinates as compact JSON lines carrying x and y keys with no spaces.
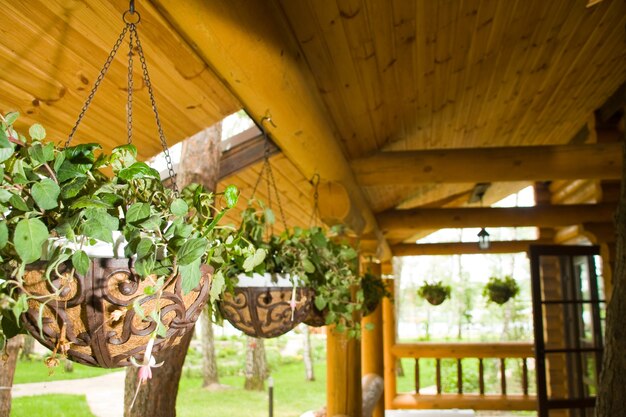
{"x":268,"y":174}
{"x":146,"y":78}
{"x":129,"y":104}
{"x":103,"y":72}
{"x":315,"y":181}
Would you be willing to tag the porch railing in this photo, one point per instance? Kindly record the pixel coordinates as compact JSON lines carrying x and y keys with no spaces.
{"x":513,"y":391}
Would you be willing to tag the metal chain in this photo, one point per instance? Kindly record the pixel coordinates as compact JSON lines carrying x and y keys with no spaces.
{"x":146,"y":77}
{"x":103,"y":72}
{"x":268,"y":174}
{"x":280,"y":206}
{"x":315,"y":181}
{"x":129,"y":104}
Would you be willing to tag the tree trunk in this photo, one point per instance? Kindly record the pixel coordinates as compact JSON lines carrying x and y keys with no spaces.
{"x":29,"y":347}
{"x":200,"y":158}
{"x":308,"y":355}
{"x":256,"y":365}
{"x":610,"y":401}
{"x":7,"y":370}
{"x":210,"y":378}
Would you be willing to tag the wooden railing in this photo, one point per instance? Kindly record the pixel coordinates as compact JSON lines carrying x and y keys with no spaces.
{"x":479,"y":400}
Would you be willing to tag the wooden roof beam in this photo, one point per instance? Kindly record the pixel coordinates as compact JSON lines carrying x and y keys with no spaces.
{"x":249,"y":45}
{"x":524,"y":163}
{"x":462,"y":248}
{"x":539,"y":216}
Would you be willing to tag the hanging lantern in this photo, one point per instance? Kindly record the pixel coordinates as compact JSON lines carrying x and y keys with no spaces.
{"x":483,"y":239}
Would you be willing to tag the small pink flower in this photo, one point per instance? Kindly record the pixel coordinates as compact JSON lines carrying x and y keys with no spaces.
{"x":145,"y":367}
{"x":144,"y":374}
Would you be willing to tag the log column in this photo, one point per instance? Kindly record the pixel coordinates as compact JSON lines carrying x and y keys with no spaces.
{"x":343,"y":374}
{"x":389,"y":340}
{"x":372,"y":342}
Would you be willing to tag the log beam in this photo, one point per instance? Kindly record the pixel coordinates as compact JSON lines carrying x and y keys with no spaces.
{"x":526,"y":163}
{"x":264,"y":69}
{"x":461,"y":248}
{"x":539,"y":216}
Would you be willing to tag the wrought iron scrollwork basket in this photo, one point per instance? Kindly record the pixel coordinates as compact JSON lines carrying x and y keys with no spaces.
{"x":93,"y":320}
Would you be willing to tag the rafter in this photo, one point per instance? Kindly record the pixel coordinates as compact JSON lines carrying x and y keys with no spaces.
{"x":540,"y":216}
{"x":525,"y":163}
{"x":461,"y":248}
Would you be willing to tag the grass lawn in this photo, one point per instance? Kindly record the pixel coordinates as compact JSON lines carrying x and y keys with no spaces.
{"x":36,"y":371}
{"x":51,"y":405}
{"x":292,"y":395}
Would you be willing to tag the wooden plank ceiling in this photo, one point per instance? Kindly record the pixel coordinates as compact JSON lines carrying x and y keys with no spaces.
{"x":370,"y":76}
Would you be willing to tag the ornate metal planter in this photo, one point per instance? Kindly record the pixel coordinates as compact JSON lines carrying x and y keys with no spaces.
{"x":84,"y":321}
{"x":260,"y":307}
{"x":316,"y":317}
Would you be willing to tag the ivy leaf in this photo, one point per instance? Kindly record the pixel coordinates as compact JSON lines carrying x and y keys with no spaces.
{"x":231,"y":193}
{"x":71,"y":188}
{"x":138,"y":170}
{"x":5,"y":195}
{"x":190,"y":276}
{"x":138,"y":212}
{"x":152,"y":223}
{"x":37,"y":132}
{"x":217,"y":286}
{"x":81,"y":262}
{"x":6,"y":147}
{"x":10,"y":326}
{"x":308,"y":266}
{"x":29,"y":236}
{"x":191,"y":251}
{"x":320,"y":302}
{"x":11,"y":117}
{"x":179,"y":207}
{"x":145,"y":266}
{"x":4,"y":234}
{"x":18,"y":203}
{"x":254,"y":260}
{"x":45,"y":193}
{"x":69,"y":170}
{"x":99,"y":225}
{"x":89,"y":203}
{"x":123,"y":156}
{"x":319,"y":240}
{"x":145,"y":247}
{"x":41,"y":153}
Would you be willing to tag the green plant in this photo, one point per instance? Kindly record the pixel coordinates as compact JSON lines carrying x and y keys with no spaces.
{"x":435,"y":293}
{"x":286,"y":253}
{"x":373,"y":292}
{"x":337,"y":287}
{"x":500,"y":290}
{"x":56,"y":202}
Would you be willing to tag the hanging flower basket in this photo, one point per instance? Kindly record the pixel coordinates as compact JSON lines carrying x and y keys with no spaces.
{"x":316,"y":317}
{"x":261,"y":305}
{"x":435,"y":293}
{"x":94,"y":320}
{"x":501,"y":290}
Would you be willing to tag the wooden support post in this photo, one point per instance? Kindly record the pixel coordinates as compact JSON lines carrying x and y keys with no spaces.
{"x":343,"y":374}
{"x":481,"y":376}
{"x":372,"y":343}
{"x":389,"y":340}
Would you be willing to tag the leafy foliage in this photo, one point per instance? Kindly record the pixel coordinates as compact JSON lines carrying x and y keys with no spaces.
{"x":500,"y":290}
{"x":435,"y":293}
{"x":55,"y":203}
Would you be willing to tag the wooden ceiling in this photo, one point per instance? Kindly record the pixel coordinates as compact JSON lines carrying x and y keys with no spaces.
{"x":342,"y":79}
